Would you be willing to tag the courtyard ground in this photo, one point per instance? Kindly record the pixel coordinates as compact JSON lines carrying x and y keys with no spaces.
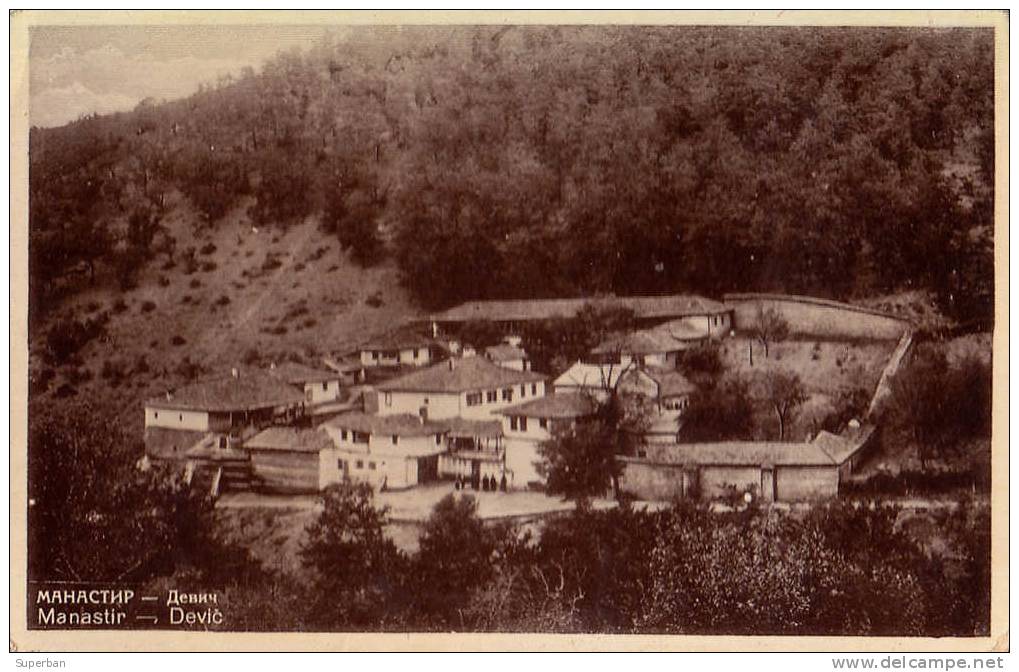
{"x":826,"y":368}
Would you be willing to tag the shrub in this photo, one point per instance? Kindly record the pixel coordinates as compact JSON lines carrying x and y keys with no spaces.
{"x":207,"y":249}
{"x":186,"y":298}
{"x":223,"y":300}
{"x":148,"y":306}
{"x":69,"y":335}
{"x":141,"y":365}
{"x":298,"y":267}
{"x":209,"y":266}
{"x":375,"y":300}
{"x":64,"y":391}
{"x":119,"y":306}
{"x":251,"y":356}
{"x":195,"y":283}
{"x":92,"y":307}
{"x":164,"y":281}
{"x":113,"y":371}
{"x":271,"y":262}
{"x":178,"y":340}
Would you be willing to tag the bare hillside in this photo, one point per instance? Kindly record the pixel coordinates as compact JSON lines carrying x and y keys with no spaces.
{"x":251,"y":295}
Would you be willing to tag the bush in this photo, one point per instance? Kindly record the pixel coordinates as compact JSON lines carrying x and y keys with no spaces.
{"x":911,"y":483}
{"x":141,"y":365}
{"x":209,"y":266}
{"x":178,"y":340}
{"x":271,"y":262}
{"x":69,"y":335}
{"x":164,"y":281}
{"x":148,"y":306}
{"x":223,"y":300}
{"x":119,"y":306}
{"x":195,"y":283}
{"x":251,"y":357}
{"x":207,"y":249}
{"x":113,"y":371}
{"x":375,"y":300}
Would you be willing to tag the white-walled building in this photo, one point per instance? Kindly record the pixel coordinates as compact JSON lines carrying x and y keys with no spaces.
{"x":387,"y":451}
{"x":594,"y":379}
{"x":508,"y":355}
{"x":225,"y":405}
{"x":400,"y":349}
{"x":468,"y":387}
{"x":525,"y":426}
{"x":319,"y":386}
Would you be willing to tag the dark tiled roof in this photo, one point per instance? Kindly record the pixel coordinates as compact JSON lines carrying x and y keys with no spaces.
{"x":643,"y":342}
{"x":398,"y":340}
{"x":562,"y":405}
{"x":645,"y":307}
{"x":403,"y":424}
{"x":250,"y":390}
{"x":465,"y":427}
{"x":670,"y":381}
{"x":740,"y":453}
{"x":504,"y":352}
{"x":459,"y":375}
{"x":290,"y":438}
{"x":843,"y":446}
{"x":298,"y":374}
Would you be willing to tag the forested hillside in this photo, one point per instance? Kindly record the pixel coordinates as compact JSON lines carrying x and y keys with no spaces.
{"x":495,"y":162}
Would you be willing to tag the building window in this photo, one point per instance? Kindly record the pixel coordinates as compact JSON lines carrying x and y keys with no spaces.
{"x":523,"y":391}
{"x":343,"y":435}
{"x":492,"y":396}
{"x":523,"y":424}
{"x":473,"y":398}
{"x":360,"y":464}
{"x":341,"y":465}
{"x":416,"y":353}
{"x":360,"y":437}
{"x":507,"y":394}
{"x":513,"y":422}
{"x":325,"y":385}
{"x":181,"y":417}
{"x":396,"y":439}
{"x":534,"y":388}
{"x":375,"y":354}
{"x":389,"y":398}
{"x":438,"y":439}
{"x":156,"y":414}
{"x":543,"y":423}
{"x":371,"y":465}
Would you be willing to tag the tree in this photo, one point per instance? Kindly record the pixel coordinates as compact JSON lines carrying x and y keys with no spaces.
{"x":785,"y":393}
{"x":936,"y":405}
{"x":355,"y":564}
{"x":95,"y":516}
{"x":719,"y":411}
{"x":454,"y":559}
{"x":769,"y":326}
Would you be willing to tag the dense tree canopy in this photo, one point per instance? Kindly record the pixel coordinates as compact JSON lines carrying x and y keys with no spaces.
{"x":536,"y":161}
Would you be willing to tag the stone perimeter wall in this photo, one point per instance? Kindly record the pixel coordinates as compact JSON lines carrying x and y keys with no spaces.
{"x":818,"y":318}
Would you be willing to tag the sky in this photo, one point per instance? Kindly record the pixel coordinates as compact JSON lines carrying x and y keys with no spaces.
{"x":77,"y":70}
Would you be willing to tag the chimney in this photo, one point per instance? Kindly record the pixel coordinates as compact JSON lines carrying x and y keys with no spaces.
{"x":235,"y":373}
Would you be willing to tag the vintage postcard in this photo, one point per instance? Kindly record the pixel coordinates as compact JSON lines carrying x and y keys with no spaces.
{"x":509,"y":331}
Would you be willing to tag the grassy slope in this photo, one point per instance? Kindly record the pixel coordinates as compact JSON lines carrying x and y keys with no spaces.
{"x":322,"y":307}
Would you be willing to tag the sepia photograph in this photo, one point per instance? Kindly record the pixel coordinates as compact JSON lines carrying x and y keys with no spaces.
{"x":628,"y":325}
